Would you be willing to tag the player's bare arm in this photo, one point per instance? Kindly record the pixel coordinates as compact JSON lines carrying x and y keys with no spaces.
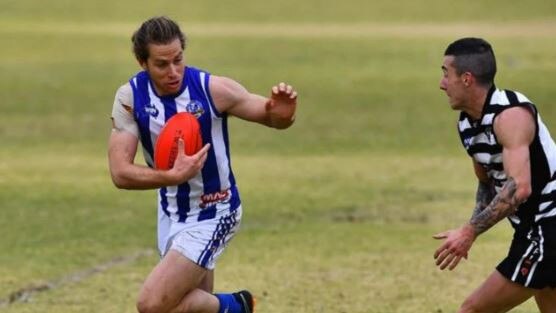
{"x":278,"y":111}
{"x":503,"y":205}
{"x":485,"y":190}
{"x":515,"y":129}
{"x":485,"y":195}
{"x":125,"y":174}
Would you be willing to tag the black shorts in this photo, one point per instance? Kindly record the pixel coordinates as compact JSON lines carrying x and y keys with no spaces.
{"x":531,"y":261}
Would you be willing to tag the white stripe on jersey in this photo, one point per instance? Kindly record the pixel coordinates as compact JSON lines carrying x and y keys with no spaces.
{"x":544,"y":205}
{"x":499,"y":175}
{"x":549,"y":187}
{"x":463,"y":125}
{"x":499,"y":97}
{"x":171,"y":193}
{"x":521,"y":97}
{"x":486,"y":158}
{"x":481,"y":138}
{"x":156,"y":123}
{"x":548,"y":145}
{"x":487,"y":119}
{"x":547,"y":214}
{"x":219,"y":145}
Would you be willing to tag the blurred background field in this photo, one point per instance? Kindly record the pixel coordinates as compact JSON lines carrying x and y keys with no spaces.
{"x":339,"y":209}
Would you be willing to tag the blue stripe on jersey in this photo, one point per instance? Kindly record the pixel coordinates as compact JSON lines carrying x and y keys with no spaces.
{"x":207,"y":213}
{"x":209,"y":185}
{"x":182,"y":197}
{"x":181,"y":201}
{"x":227,"y":142}
{"x":209,"y":98}
{"x":163,"y":200}
{"x":140,"y":91}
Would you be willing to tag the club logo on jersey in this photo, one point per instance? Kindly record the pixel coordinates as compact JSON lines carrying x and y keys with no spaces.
{"x":210,"y":199}
{"x":489,"y":134}
{"x":467,"y":142}
{"x":195,"y":107}
{"x":152,"y":110}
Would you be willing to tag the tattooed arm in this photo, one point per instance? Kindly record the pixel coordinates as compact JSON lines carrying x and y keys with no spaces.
{"x":503,"y":205}
{"x":485,"y":190}
{"x":515,"y":129}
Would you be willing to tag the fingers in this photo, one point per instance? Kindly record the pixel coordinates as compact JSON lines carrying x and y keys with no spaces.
{"x":450,"y":261}
{"x":439,"y":251}
{"x":445,"y":259}
{"x":202,"y":151}
{"x":181,"y":145}
{"x":284,"y":89}
{"x":201,"y":155}
{"x":455,"y":262}
{"x":448,"y":258}
{"x":442,"y":235}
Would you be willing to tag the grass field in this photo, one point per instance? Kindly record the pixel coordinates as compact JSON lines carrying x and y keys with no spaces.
{"x":339,"y":209}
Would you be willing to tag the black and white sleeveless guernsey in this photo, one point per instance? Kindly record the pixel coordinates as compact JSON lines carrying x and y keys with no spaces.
{"x":534,"y":242}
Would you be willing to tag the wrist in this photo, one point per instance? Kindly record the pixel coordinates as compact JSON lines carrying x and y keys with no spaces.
{"x":470,"y":230}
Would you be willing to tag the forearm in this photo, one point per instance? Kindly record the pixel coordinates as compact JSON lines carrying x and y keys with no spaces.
{"x":503,"y":205}
{"x":484,"y":196}
{"x":133,"y":176}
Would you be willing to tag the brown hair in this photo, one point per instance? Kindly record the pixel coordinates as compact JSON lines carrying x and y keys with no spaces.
{"x":157,"y":30}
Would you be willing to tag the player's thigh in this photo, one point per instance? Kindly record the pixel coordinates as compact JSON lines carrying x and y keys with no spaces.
{"x":172,"y":278}
{"x":496,"y":294}
{"x":546,"y":300}
{"x":207,"y":284}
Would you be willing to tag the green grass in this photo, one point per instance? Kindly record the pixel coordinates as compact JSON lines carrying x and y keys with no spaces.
{"x":339,"y":210}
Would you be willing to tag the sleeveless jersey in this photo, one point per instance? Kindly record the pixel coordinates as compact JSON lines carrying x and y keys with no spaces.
{"x":214,"y":188}
{"x":480,"y":141}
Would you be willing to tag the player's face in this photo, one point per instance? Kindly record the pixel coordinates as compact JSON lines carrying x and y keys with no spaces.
{"x":165,"y":66}
{"x":452,"y":84}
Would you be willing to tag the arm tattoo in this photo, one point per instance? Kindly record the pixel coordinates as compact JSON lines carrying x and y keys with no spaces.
{"x":504,"y":204}
{"x":485,"y":194}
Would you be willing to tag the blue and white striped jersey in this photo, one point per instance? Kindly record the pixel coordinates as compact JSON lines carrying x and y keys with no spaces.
{"x":214,"y":188}
{"x":480,"y":141}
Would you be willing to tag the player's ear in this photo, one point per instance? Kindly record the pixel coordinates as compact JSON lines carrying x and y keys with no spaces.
{"x":142,"y":63}
{"x":467,"y":79}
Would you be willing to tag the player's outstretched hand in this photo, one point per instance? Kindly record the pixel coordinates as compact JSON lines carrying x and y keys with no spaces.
{"x":187,"y":166}
{"x":456,"y":245}
{"x":281,"y":105}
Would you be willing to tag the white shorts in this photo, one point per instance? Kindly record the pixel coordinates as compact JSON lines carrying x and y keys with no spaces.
{"x":201,"y":242}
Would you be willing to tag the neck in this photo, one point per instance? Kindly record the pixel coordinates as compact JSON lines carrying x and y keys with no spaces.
{"x":477,"y":99}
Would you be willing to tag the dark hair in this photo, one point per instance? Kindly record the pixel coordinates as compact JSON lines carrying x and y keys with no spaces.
{"x":474,"y":55}
{"x":157,"y":30}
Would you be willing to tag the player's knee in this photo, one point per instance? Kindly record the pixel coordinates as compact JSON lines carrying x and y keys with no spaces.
{"x":469,"y":306}
{"x":147,"y":304}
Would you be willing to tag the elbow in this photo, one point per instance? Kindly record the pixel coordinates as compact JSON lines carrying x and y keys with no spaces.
{"x":118,"y":180}
{"x":523,"y":192}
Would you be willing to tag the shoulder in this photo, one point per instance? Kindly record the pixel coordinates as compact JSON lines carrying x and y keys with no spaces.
{"x":226,"y":92}
{"x":515,"y":123}
{"x":124,"y":95}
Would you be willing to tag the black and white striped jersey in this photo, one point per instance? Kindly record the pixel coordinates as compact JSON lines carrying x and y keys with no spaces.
{"x":480,"y":141}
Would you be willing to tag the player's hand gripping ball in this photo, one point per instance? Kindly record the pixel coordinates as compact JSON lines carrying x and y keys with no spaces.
{"x":182,"y":125}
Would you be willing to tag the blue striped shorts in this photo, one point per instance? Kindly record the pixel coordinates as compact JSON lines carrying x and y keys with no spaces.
{"x":203,"y":242}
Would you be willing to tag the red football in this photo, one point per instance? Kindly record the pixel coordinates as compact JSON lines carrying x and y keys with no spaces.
{"x":182,"y":125}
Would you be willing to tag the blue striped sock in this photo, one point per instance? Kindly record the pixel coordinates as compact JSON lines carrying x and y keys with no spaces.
{"x":228,"y":303}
